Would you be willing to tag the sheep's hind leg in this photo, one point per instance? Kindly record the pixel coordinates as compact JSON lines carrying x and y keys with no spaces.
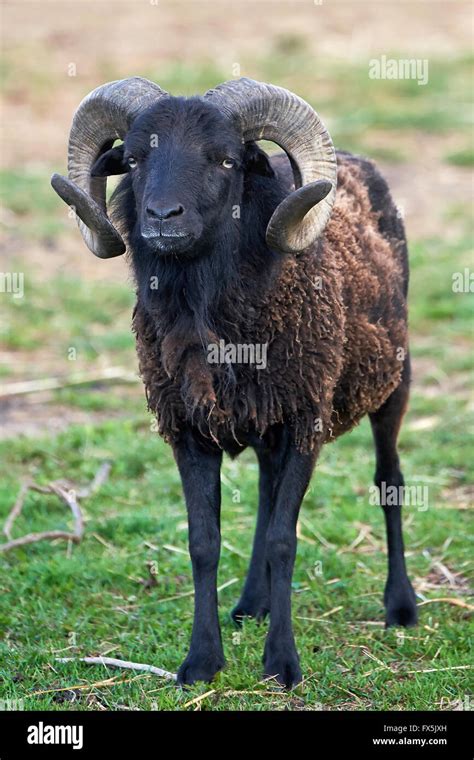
{"x":399,"y":597}
{"x":255,"y":598}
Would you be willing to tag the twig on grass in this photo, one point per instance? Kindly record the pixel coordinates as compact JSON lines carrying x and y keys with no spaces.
{"x":16,"y":509}
{"x":78,"y":687}
{"x":197,"y":700}
{"x":68,"y":495}
{"x":323,"y":617}
{"x":185,"y":593}
{"x":449,"y":600}
{"x":437,"y":670}
{"x":97,"y":481}
{"x":118,"y":374}
{"x":114,"y":663}
{"x":33,"y":538}
{"x":113,"y":681}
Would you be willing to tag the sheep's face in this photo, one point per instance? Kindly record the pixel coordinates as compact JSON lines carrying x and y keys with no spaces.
{"x":186,"y":163}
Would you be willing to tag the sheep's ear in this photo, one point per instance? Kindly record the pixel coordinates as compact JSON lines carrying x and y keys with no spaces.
{"x":110,"y":162}
{"x":257,"y":161}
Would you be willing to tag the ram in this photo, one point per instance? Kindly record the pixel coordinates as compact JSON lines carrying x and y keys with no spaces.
{"x":302,"y":255}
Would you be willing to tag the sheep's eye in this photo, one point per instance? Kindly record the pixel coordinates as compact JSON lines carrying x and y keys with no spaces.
{"x":228,"y":163}
{"x":132,"y":162}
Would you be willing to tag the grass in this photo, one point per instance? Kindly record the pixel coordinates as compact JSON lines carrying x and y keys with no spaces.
{"x":106,"y":333}
{"x":92,"y":599}
{"x":27,"y":194}
{"x":463,"y":157}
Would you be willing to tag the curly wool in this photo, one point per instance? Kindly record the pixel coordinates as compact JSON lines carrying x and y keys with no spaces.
{"x":334,"y":322}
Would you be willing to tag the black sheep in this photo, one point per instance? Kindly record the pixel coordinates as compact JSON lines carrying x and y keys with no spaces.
{"x":228,"y":254}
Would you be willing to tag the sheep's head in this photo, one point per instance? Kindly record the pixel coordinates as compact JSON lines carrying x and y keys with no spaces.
{"x":187,"y":158}
{"x":186,"y":163}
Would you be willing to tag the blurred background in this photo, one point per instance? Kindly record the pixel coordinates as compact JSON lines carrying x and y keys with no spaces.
{"x":54,"y":53}
{"x":70,"y":395}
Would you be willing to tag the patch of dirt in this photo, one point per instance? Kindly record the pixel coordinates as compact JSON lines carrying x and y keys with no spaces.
{"x":426,"y":188}
{"x":64,"y":255}
{"x":441,"y":578}
{"x":458,"y":497}
{"x":433,"y":382}
{"x":35,"y":417}
{"x":39,"y":414}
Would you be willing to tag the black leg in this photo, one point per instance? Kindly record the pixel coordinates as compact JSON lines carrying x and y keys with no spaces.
{"x":255,"y":599}
{"x":280,"y":657}
{"x":399,"y":597}
{"x":200,"y":475}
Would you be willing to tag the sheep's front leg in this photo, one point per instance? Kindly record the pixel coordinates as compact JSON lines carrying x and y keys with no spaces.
{"x":280,"y":657}
{"x":255,"y":599}
{"x":200,"y":475}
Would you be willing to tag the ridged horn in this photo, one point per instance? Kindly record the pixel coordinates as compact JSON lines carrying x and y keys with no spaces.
{"x":266,"y":112}
{"x":102,"y":117}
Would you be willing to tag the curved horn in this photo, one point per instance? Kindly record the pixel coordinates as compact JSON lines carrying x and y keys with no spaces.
{"x":103,"y":116}
{"x":266,"y":112}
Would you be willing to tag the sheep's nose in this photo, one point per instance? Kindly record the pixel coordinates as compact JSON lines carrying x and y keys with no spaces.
{"x":164,"y":211}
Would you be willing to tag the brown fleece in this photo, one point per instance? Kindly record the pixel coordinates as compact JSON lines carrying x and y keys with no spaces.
{"x":334,"y":320}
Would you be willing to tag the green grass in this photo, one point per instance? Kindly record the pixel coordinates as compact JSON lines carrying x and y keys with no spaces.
{"x":29,"y":196}
{"x":92,"y":601}
{"x":30,"y":321}
{"x":463,"y":157}
{"x":433,"y":299}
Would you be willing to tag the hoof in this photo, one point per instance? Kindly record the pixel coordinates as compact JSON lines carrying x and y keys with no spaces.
{"x":282,"y":663}
{"x":405,"y":614}
{"x":198,"y":667}
{"x":400,"y":606}
{"x":285,"y":670}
